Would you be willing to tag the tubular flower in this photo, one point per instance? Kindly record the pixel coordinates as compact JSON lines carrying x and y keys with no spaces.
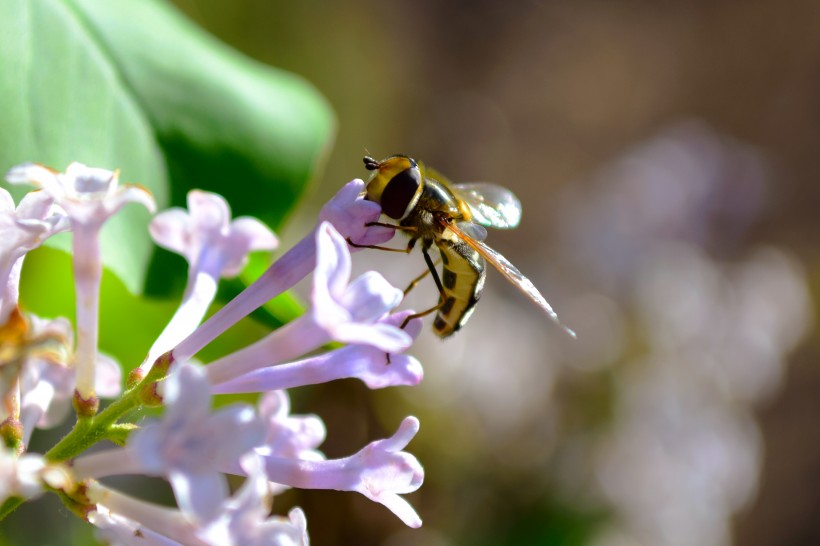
{"x":214,"y":247}
{"x":192,"y":445}
{"x":89,"y":197}
{"x":341,"y":310}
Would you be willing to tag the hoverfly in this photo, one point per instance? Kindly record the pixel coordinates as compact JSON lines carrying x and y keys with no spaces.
{"x":452,"y":217}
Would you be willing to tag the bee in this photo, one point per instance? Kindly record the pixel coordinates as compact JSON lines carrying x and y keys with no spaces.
{"x":430,"y":209}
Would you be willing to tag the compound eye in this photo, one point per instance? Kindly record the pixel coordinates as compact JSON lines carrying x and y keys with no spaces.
{"x":400,"y":193}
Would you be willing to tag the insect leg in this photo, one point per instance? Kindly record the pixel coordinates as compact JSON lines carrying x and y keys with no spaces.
{"x":432,"y":268}
{"x":421,"y":314}
{"x":410,"y":229}
{"x":407,"y":250}
{"x":415,"y":281}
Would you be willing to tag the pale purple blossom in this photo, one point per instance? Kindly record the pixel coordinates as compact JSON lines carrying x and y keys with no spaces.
{"x":207,"y":237}
{"x":188,"y":445}
{"x":350,"y":214}
{"x":349,"y":311}
{"x":191,"y":445}
{"x":369,"y":364}
{"x":20,"y":476}
{"x":89,"y":196}
{"x":38,"y":376}
{"x":122,"y":518}
{"x":214,"y":247}
{"x":341,"y":310}
{"x":21,"y":230}
{"x":245,"y":519}
{"x":347,"y":211}
{"x":286,"y":435}
{"x":381,"y":471}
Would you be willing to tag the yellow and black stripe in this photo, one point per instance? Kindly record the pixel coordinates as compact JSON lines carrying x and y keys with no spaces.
{"x":462,"y":280}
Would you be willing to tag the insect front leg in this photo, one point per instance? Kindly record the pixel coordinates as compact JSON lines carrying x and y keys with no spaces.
{"x":392,"y":226}
{"x":431,"y":269}
{"x":407,"y":250}
{"x":406,"y":229}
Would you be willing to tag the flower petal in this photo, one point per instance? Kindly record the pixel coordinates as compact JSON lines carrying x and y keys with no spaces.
{"x":382,"y":336}
{"x":200,"y":494}
{"x":350,"y":213}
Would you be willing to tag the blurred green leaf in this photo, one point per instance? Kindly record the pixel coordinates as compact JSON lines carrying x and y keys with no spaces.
{"x":134,"y":85}
{"x":64,"y":101}
{"x":226,"y":123}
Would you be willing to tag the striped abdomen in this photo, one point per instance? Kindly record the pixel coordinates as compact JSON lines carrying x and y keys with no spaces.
{"x":462,"y":277}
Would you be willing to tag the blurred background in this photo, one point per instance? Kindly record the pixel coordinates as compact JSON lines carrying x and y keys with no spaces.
{"x":665,"y":154}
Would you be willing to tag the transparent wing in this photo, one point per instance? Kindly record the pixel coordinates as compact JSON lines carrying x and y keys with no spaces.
{"x":492,"y":205}
{"x":473,"y":231}
{"x":511,"y":273}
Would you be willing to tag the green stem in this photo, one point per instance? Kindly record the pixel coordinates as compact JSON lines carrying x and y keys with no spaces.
{"x":91,"y":430}
{"x":88,"y":431}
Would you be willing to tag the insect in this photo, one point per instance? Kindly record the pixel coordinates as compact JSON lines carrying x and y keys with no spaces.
{"x":452,"y":217}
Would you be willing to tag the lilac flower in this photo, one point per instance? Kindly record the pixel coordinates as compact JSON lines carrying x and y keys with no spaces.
{"x":20,"y":476}
{"x":22,"y":230}
{"x":341,"y":310}
{"x":188,"y":445}
{"x":245,"y":520}
{"x":48,"y":383}
{"x":118,"y":530}
{"x":364,"y":362}
{"x":289,"y":435}
{"x":89,"y":196}
{"x":349,"y":214}
{"x":380,"y":471}
{"x":349,"y":311}
{"x":122,"y":519}
{"x":37,"y":376}
{"x":214,"y":247}
{"x":192,"y":446}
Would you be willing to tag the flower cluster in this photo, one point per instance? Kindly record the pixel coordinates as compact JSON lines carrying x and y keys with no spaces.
{"x":698,"y":322}
{"x":193,"y":446}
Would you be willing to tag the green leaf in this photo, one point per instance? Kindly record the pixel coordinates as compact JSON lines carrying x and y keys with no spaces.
{"x":133,"y":84}
{"x":226,"y":123}
{"x":64,"y":101}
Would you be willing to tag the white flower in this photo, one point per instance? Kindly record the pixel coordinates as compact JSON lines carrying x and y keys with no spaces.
{"x":21,"y":230}
{"x":88,"y":195}
{"x":20,"y":476}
